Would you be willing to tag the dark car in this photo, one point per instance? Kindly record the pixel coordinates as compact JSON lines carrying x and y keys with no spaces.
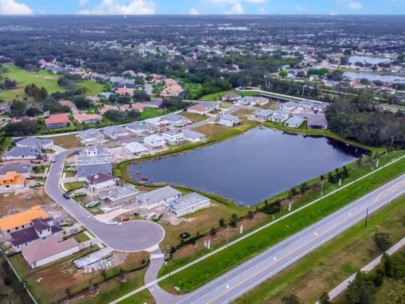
{"x":65,"y":195}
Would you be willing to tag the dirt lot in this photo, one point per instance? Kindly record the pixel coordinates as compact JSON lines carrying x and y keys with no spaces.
{"x":243,"y":113}
{"x":119,"y":155}
{"x":67,"y":141}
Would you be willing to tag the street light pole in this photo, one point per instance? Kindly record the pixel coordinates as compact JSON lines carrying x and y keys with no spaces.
{"x":365,"y":224}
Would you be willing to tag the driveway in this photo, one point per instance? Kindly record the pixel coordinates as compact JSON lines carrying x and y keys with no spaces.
{"x":130,"y":236}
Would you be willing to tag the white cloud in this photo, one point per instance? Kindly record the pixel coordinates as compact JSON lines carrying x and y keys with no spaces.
{"x":194,"y":11}
{"x":12,"y":7}
{"x":118,"y":7}
{"x":333,"y":14}
{"x":299,"y":8}
{"x":355,"y":5}
{"x":235,"y":9}
{"x":262,"y":10}
{"x":234,"y":2}
{"x":83,"y":2}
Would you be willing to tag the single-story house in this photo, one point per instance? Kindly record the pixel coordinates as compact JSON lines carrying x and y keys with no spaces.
{"x":198,"y":109}
{"x":20,"y":153}
{"x":289,"y":106}
{"x":229,"y":120}
{"x":57,"y":121}
{"x":294,"y":122}
{"x":12,"y":180}
{"x":174,"y":138}
{"x":193,"y":136}
{"x":48,"y":251}
{"x":34,"y":142}
{"x":87,"y":118}
{"x":177,"y":120}
{"x":91,"y":136}
{"x":263,"y":114}
{"x":317,"y":122}
{"x":155,"y":142}
{"x":188,"y":203}
{"x":157,"y":123}
{"x":22,"y":219}
{"x":115,"y":132}
{"x":119,"y":195}
{"x":231,"y":97}
{"x":100,"y":182}
{"x":138,"y":127}
{"x":93,"y":160}
{"x":23,"y":169}
{"x":305,"y":104}
{"x":136,"y":148}
{"x":278,"y":117}
{"x":158,"y":197}
{"x":260,"y":101}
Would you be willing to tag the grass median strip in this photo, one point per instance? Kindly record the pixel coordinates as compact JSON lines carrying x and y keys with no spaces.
{"x":212,"y":267}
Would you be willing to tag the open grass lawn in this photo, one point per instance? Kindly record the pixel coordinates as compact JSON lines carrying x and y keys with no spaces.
{"x":212,"y":267}
{"x":217,"y":96}
{"x":193,"y":89}
{"x":74,"y":186}
{"x":81,"y":237}
{"x":24,"y":77}
{"x":193,"y":116}
{"x":152,"y":112}
{"x":49,"y":284}
{"x":92,"y":87}
{"x":243,"y":113}
{"x":218,"y":132}
{"x":323,"y":269}
{"x":67,"y":141}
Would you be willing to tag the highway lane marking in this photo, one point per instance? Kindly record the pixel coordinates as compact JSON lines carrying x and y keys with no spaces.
{"x":291,"y":253}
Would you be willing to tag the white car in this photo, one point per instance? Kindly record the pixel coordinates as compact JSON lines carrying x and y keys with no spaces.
{"x":112,"y":222}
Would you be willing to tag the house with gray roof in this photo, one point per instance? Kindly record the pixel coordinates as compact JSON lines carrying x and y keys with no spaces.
{"x":177,"y":120}
{"x":158,"y":197}
{"x":305,"y":104}
{"x":138,"y":127}
{"x":229,"y":120}
{"x":22,"y":169}
{"x":263,"y":114}
{"x":188,"y":203}
{"x":231,"y":97}
{"x":115,"y":132}
{"x":289,"y":105}
{"x":294,"y":122}
{"x":22,"y":153}
{"x":91,"y":161}
{"x":34,"y":142}
{"x":278,"y":117}
{"x":100,"y":182}
{"x":317,"y":121}
{"x":119,"y":195}
{"x":91,"y":136}
{"x":193,"y":136}
{"x":136,"y":148}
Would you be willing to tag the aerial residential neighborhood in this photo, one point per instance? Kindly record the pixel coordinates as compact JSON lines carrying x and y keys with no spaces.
{"x":201,"y":152}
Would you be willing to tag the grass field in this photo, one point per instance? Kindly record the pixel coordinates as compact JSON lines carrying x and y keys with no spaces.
{"x":219,"y":133}
{"x":24,"y":77}
{"x":74,"y":186}
{"x":92,"y":87}
{"x":151,"y":112}
{"x":81,"y":237}
{"x":219,"y":95}
{"x":221,"y":262}
{"x":67,"y":141}
{"x":326,"y":267}
{"x":193,"y":116}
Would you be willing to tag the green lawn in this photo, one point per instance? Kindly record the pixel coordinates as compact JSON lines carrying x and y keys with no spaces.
{"x":152,"y":112}
{"x":327,"y":266}
{"x":212,"y":267}
{"x":217,"y":96}
{"x":73,"y":186}
{"x":92,"y":87}
{"x":81,"y":237}
{"x":24,"y":77}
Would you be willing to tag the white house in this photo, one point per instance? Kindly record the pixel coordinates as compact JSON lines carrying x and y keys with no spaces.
{"x":278,"y":117}
{"x":229,"y":120}
{"x":155,"y":142}
{"x":115,"y":132}
{"x":136,"y":148}
{"x":157,"y":124}
{"x":174,"y":138}
{"x":91,"y":136}
{"x":158,"y":197}
{"x":138,"y":127}
{"x":100,"y":182}
{"x":193,"y":136}
{"x":289,"y":106}
{"x":294,"y":122}
{"x":187,"y":204}
{"x":177,"y":120}
{"x":22,"y":153}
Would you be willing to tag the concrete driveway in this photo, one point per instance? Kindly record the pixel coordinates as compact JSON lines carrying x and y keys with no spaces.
{"x":130,"y":236}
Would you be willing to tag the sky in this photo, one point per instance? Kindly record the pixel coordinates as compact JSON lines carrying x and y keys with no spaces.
{"x":200,"y":7}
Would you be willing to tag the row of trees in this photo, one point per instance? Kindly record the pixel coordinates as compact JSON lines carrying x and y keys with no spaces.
{"x":36,"y":92}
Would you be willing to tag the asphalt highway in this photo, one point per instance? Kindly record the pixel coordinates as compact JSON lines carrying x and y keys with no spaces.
{"x":245,"y":277}
{"x":129,"y":236}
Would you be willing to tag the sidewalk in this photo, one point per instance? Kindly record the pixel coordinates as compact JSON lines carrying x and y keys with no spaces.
{"x":342,"y":286}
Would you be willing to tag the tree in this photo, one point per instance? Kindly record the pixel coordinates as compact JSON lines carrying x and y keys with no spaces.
{"x":222,"y":222}
{"x":251,"y":214}
{"x":290,"y":299}
{"x":17,"y":108}
{"x":382,"y":241}
{"x":82,"y":103}
{"x":141,"y":96}
{"x":283,"y":73}
{"x":303,"y":187}
{"x":324,"y":299}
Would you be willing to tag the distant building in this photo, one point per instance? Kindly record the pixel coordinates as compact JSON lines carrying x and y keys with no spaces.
{"x":138,"y":127}
{"x":34,"y":143}
{"x":19,"y":153}
{"x":278,"y":117}
{"x":136,"y":148}
{"x":177,"y":120}
{"x":155,"y":142}
{"x":229,"y":120}
{"x":193,"y":136}
{"x":289,"y":106}
{"x":115,"y":132}
{"x":231,"y":97}
{"x":87,"y":118}
{"x":57,"y":121}
{"x":294,"y":122}
{"x":91,"y":136}
{"x":174,"y":138}
{"x":264,"y":114}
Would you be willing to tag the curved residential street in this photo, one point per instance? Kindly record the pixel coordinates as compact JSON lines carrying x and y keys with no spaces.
{"x":127,"y":237}
{"x":245,"y":277}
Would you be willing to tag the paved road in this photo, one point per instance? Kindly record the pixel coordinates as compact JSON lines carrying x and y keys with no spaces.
{"x":240,"y":280}
{"x":128,"y":237}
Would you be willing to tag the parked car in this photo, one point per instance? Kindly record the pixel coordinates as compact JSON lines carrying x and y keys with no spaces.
{"x":112,"y":222}
{"x":65,"y":195}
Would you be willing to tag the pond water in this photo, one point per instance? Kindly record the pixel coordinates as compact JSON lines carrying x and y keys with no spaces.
{"x":251,"y":167}
{"x":369,"y":59}
{"x":374,"y":76}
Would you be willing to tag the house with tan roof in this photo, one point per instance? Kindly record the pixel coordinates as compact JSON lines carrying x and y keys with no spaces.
{"x":57,"y":121}
{"x":198,"y":109}
{"x":12,"y":180}
{"x":87,"y":118}
{"x":22,"y":219}
{"x":48,"y":251}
